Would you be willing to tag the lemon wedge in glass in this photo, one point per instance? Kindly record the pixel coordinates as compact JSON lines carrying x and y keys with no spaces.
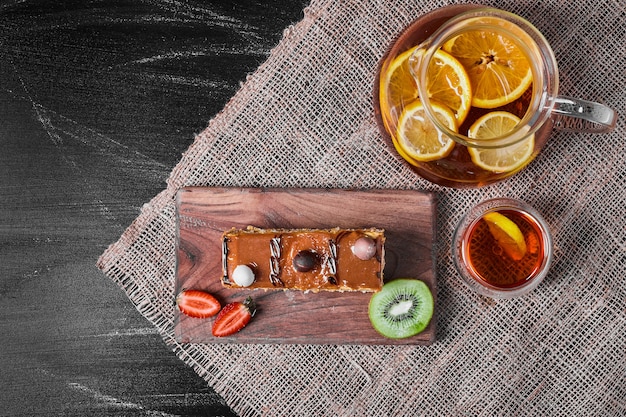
{"x":508,"y":235}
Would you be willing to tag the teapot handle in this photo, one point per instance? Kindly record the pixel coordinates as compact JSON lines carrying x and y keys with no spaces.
{"x":576,"y":115}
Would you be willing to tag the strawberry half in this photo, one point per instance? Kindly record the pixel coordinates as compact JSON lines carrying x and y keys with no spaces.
{"x":234,"y":317}
{"x":198,"y":304}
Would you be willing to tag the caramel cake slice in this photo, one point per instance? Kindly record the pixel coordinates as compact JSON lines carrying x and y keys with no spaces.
{"x":304,"y":259}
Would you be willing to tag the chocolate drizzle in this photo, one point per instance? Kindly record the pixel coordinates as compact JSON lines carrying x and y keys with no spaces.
{"x":275,"y":251}
{"x":332,"y":262}
{"x":225,"y":279}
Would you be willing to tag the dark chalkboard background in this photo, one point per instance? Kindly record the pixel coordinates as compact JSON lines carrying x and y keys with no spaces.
{"x":98,"y":99}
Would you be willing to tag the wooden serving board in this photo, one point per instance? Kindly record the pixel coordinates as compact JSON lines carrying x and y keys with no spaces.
{"x":203,"y":214}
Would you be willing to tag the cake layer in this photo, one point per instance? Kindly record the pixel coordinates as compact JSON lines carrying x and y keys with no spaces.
{"x":304,"y":259}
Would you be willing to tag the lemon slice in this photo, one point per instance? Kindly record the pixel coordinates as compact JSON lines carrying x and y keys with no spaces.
{"x":505,"y":159}
{"x":419,"y":138}
{"x":398,"y":87}
{"x":449,"y":84}
{"x":498,"y":69}
{"x":508,"y":235}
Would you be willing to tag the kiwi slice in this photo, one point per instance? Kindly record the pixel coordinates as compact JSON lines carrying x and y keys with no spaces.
{"x":403,"y":308}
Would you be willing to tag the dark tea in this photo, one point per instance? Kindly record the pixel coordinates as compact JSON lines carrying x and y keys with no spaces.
{"x":502,"y":248}
{"x":504,"y":264}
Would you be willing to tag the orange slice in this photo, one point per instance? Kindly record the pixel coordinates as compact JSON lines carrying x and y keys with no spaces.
{"x":417,"y":136}
{"x":507,"y":234}
{"x":508,"y":158}
{"x":498,"y":69}
{"x":397,"y":85}
{"x":448,"y":83}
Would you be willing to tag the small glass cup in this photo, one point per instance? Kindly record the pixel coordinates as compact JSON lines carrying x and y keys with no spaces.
{"x":484,"y":261}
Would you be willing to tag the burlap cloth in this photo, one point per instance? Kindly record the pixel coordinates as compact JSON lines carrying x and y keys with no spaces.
{"x":305,"y":119}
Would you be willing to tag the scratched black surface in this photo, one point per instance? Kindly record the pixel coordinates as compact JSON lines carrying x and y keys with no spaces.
{"x":98,"y":99}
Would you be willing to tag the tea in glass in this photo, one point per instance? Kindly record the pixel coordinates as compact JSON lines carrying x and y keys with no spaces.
{"x":502,"y":248}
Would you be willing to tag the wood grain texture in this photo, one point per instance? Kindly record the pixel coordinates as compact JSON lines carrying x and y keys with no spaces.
{"x":97,"y":102}
{"x":294,"y":316}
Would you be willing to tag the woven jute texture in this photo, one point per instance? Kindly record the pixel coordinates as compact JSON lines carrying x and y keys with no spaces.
{"x":305,"y":119}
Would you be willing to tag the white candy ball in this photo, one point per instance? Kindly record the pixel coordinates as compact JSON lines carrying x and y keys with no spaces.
{"x":364,"y":248}
{"x":243,"y":275}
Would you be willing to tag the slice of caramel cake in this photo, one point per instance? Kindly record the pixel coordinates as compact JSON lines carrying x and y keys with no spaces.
{"x":304,"y":259}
